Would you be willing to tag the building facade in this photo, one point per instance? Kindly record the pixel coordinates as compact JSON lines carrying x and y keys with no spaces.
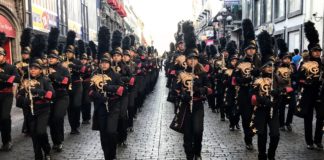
{"x":12,"y":23}
{"x":285,"y":18}
{"x":205,"y":13}
{"x":112,"y":13}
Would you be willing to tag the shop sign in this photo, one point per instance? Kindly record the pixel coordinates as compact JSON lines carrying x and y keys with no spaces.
{"x":6,"y":27}
{"x":43,"y":19}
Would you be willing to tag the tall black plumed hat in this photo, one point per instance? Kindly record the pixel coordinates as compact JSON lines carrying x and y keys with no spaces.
{"x":199,"y":48}
{"x":266,"y":48}
{"x":231,"y":48}
{"x":37,"y":50}
{"x":25,"y":41}
{"x":172,"y":47}
{"x":52,"y":40}
{"x":282,"y":47}
{"x":82,"y":50}
{"x":103,"y":42}
{"x":203,"y":46}
{"x":60,"y":48}
{"x":248,"y":35}
{"x":133,"y":43}
{"x":189,"y":39}
{"x":312,"y":36}
{"x":179,"y":37}
{"x":222,"y":44}
{"x":212,"y":50}
{"x":93,"y":48}
{"x":116,"y":42}
{"x":126,"y":45}
{"x":70,"y":40}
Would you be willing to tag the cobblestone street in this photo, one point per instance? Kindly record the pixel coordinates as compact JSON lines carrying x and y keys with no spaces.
{"x":153,"y":139}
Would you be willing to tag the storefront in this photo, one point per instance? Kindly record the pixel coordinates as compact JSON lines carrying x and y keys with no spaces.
{"x":7,"y":27}
{"x":11,"y":25}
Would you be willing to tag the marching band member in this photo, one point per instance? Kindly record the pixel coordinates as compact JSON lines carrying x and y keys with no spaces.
{"x":85,"y":75}
{"x":60,"y":78}
{"x":75,"y":88}
{"x":193,"y":86}
{"x":127,"y":60}
{"x":285,"y":72}
{"x":106,"y":91}
{"x":309,"y":74}
{"x":8,"y":76}
{"x":230,"y":104}
{"x":264,"y":101}
{"x":35,"y":95}
{"x":22,"y":66}
{"x":243,"y":77}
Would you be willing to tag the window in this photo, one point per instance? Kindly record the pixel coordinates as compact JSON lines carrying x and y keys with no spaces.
{"x":280,"y":9}
{"x":294,"y":5}
{"x":257,"y":11}
{"x":294,"y":40}
{"x":62,"y":14}
{"x":267,"y":11}
{"x":29,"y":18}
{"x":250,"y":12}
{"x":84,"y":21}
{"x":295,"y":8}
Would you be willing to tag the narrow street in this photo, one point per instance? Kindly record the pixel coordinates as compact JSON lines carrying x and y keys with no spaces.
{"x":153,"y":139}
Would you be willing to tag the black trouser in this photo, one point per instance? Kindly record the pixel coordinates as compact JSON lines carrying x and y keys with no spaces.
{"x":262,"y":122}
{"x":56,"y":120}
{"x":291,"y":101}
{"x":140,"y":88}
{"x":86,"y":103}
{"x":25,"y":127}
{"x":308,"y":123}
{"x":123,"y":119}
{"x":131,"y":107}
{"x":38,"y":126}
{"x":108,"y":123}
{"x":309,"y":102}
{"x":220,"y":101}
{"x":5,"y":117}
{"x":245,"y":109}
{"x":233,"y":114}
{"x":193,"y":129}
{"x":211,"y":101}
{"x":74,"y":108}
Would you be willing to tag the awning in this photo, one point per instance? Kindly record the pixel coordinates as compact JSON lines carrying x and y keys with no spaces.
{"x":7,"y":27}
{"x":113,"y":3}
{"x":121,"y":11}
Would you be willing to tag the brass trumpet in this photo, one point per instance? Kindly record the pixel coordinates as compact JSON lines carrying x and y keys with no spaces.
{"x":21,"y":65}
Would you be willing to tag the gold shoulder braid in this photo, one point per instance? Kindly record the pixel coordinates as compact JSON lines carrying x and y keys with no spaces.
{"x":284,"y":73}
{"x":228,"y":72}
{"x":264,"y":85}
{"x":311,"y":69}
{"x":245,"y":68}
{"x":99,"y":80}
{"x":33,"y":83}
{"x":116,"y":69}
{"x":181,"y":60}
{"x":186,"y":79}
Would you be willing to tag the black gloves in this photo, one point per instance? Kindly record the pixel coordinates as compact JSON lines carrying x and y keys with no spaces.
{"x":37,"y":92}
{"x":4,"y":76}
{"x":200,"y":90}
{"x":185,"y":97}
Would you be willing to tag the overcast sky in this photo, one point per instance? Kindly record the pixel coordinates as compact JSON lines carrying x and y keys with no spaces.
{"x":161,"y":17}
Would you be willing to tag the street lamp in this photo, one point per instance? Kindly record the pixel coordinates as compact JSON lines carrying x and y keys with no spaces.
{"x":224,"y":16}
